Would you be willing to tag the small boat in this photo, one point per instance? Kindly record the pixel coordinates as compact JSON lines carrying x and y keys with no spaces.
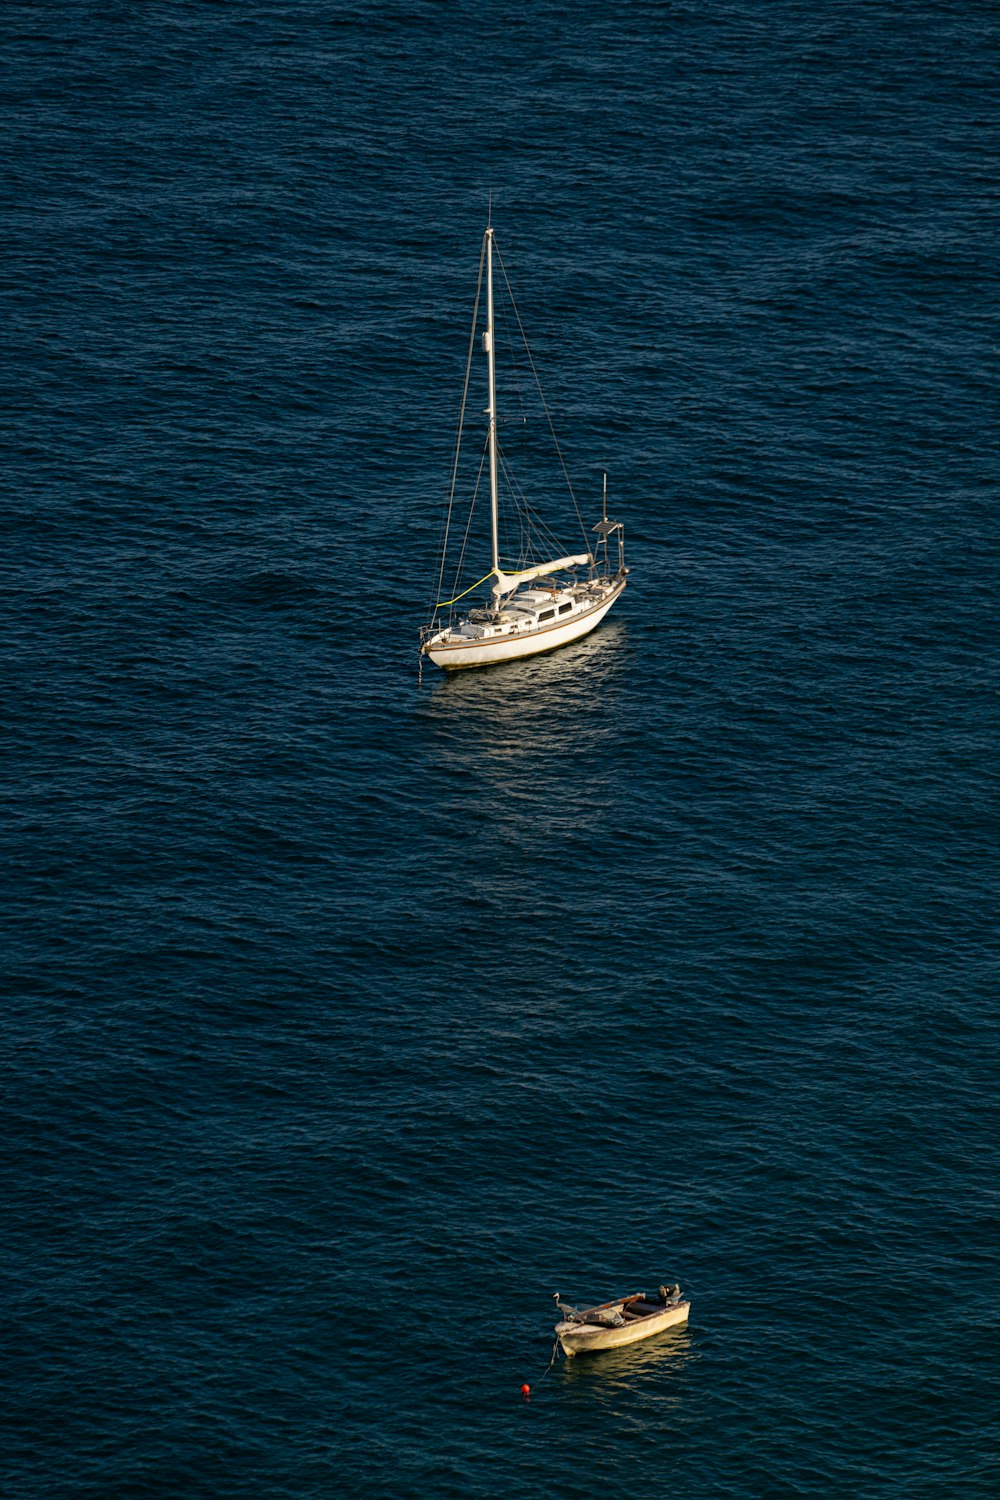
{"x":571,"y":593}
{"x":624,"y":1321}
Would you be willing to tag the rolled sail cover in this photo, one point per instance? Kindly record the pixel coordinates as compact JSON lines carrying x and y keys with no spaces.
{"x":506,"y":583}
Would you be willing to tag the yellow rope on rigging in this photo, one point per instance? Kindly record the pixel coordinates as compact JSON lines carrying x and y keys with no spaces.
{"x":445,"y":602}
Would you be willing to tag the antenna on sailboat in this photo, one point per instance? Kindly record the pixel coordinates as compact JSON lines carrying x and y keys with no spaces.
{"x":489,"y":210}
{"x":604,"y":516}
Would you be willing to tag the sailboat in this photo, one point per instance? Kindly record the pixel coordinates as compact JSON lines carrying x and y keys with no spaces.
{"x":535,"y":605}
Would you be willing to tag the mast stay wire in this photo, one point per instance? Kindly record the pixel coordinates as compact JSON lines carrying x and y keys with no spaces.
{"x":528,"y":513}
{"x":468,"y":524}
{"x":526,"y":553}
{"x":541,"y":393}
{"x":512,"y":491}
{"x":525,"y":511}
{"x":515,"y":369}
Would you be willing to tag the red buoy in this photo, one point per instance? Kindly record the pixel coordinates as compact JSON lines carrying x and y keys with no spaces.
{"x":526,"y":1390}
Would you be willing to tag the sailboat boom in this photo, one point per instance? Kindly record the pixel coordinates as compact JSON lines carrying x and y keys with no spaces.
{"x":506,"y":583}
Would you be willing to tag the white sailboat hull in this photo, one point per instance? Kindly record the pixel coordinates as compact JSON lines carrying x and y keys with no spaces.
{"x":587,"y":1338}
{"x":456,"y":656}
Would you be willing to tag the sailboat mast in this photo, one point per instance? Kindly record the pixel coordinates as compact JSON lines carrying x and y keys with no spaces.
{"x":493,"y":400}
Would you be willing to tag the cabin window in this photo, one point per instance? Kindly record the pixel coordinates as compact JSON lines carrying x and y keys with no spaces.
{"x":546,"y":614}
{"x":563,"y":608}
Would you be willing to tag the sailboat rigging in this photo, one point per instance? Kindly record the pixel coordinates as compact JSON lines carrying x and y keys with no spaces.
{"x":535,"y":605}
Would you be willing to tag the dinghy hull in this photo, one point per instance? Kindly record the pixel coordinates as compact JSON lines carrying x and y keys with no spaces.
{"x":590,"y":1338}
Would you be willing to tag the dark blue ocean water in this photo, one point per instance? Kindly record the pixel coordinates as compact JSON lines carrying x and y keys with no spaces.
{"x":345,"y":1021}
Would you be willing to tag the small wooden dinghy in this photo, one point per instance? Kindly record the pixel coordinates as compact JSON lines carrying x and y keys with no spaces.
{"x":624,"y":1321}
